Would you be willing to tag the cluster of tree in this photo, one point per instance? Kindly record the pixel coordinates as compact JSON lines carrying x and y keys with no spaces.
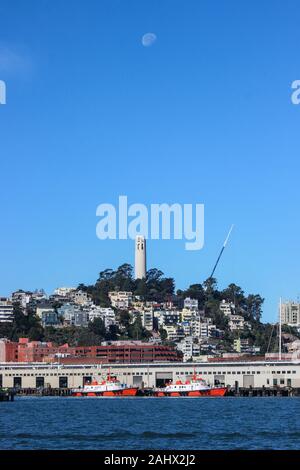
{"x":154,"y":287}
{"x":262,"y":335}
{"x":25,"y":323}
{"x":93,"y":335}
{"x":209,"y":298}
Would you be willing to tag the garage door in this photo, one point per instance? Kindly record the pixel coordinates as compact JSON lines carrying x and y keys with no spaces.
{"x":248,"y":381}
{"x":219,"y":379}
{"x":163,"y":377}
{"x":138,"y":381}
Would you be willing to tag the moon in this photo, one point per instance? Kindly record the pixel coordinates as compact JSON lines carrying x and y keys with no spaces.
{"x":148,"y":39}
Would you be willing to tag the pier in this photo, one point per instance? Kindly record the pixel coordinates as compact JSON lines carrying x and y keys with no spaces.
{"x":246,"y":392}
{"x":263,"y":392}
{"x":6,"y":394}
{"x":45,"y":392}
{"x":149,"y":392}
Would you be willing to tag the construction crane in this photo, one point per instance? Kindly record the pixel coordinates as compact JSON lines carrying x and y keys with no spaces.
{"x":221,"y":252}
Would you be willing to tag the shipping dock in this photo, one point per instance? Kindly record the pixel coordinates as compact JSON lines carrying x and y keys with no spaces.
{"x":241,"y":378}
{"x":149,"y":392}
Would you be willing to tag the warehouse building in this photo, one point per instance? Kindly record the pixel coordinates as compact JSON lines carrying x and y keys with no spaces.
{"x":277,"y":374}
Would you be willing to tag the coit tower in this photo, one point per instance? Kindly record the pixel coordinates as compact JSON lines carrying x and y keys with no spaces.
{"x":140,"y":257}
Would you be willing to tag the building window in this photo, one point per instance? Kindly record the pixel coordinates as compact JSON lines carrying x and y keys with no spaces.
{"x":63,"y":382}
{"x":39,"y":382}
{"x":17,"y":382}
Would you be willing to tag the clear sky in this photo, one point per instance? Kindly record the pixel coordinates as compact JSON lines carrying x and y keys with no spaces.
{"x":204,"y":115}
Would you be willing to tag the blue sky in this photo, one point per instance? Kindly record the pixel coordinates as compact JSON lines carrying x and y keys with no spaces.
{"x":204,"y":115}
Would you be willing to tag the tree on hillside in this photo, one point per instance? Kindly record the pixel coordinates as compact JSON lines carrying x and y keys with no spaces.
{"x":163,"y":334}
{"x":234,"y":294}
{"x":254,"y":306}
{"x":124,"y":318}
{"x":210,"y":286}
{"x":265,"y":337}
{"x":60,"y":336}
{"x":97,"y":327}
{"x":23,"y":323}
{"x":157,"y":287}
{"x":113,"y":333}
{"x":36,"y":333}
{"x":136,"y":331}
{"x":86,"y":337}
{"x":194,"y":291}
{"x":141,"y":288}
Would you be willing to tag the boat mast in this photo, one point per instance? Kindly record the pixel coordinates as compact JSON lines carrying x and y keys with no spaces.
{"x":279,"y":346}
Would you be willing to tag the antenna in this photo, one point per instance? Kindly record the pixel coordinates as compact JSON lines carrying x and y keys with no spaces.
{"x":221,"y":252}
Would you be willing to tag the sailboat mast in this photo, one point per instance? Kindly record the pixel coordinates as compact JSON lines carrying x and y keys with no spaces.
{"x":279,"y":346}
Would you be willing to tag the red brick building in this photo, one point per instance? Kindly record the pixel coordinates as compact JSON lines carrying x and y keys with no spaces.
{"x":128,"y":352}
{"x":29,"y":351}
{"x":122,"y":352}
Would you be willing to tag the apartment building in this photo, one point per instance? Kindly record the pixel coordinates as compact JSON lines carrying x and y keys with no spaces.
{"x":120,"y":299}
{"x":236,"y":322}
{"x":6,"y":310}
{"x":290,"y":313}
{"x":191,"y":304}
{"x":227,"y":308}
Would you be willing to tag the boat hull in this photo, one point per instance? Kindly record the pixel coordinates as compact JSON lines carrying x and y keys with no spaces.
{"x":212,"y":392}
{"x":125,"y":392}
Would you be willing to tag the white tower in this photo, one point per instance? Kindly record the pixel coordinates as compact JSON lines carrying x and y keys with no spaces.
{"x":140,"y":257}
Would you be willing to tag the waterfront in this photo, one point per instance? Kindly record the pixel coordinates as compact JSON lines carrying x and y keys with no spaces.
{"x":150,"y":423}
